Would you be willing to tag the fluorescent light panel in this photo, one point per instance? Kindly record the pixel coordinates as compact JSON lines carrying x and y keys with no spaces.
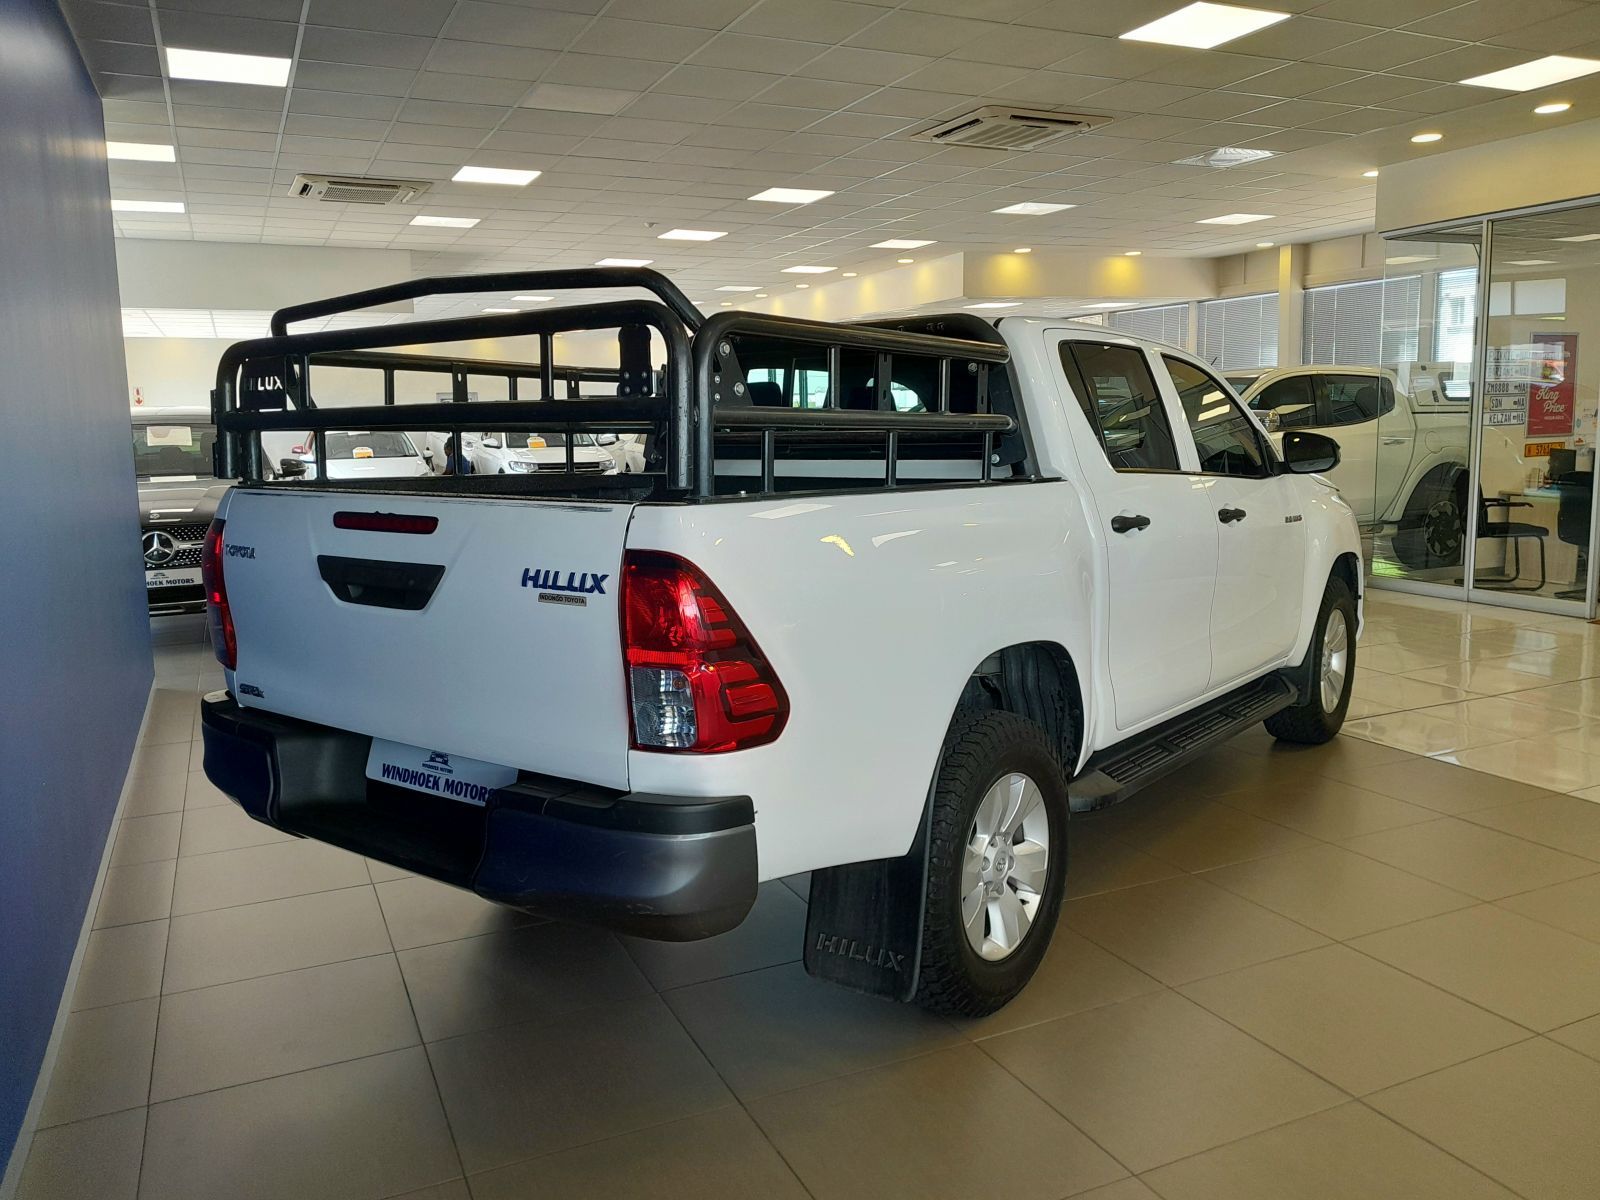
{"x":502,"y":175}
{"x":808,"y":270}
{"x":141,"y":152}
{"x":1555,"y":106}
{"x":998,"y":304}
{"x":147,"y":206}
{"x":903,"y":244}
{"x":1033,"y":208}
{"x":1112,"y":304}
{"x":502,"y":310}
{"x":214,"y":66}
{"x":1235,"y":219}
{"x":739,"y":287}
{"x":1530,"y":262}
{"x":445,"y":222}
{"x":1203,"y":26}
{"x":1580,"y":237}
{"x":779,"y":195}
{"x":1541,"y":72}
{"x":693,"y":235}
{"x":624,"y":262}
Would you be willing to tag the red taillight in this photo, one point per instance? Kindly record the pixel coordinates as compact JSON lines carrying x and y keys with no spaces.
{"x":696,"y":678}
{"x":376,"y":522}
{"x":218,"y":617}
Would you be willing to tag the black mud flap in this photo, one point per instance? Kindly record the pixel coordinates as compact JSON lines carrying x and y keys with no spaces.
{"x":864,"y":923}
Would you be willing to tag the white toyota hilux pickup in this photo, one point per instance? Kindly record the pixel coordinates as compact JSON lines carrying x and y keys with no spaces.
{"x":892,"y":644}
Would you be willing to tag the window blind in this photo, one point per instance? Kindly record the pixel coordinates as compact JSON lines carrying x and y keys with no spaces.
{"x":1241,"y":332}
{"x":1162,"y":323}
{"x":1363,"y":324}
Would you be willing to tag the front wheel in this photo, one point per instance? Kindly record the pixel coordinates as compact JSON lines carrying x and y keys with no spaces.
{"x":1331,"y":664}
{"x":997,"y":863}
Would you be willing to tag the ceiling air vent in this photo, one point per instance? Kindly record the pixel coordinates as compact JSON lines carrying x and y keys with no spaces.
{"x":345,"y":189}
{"x":995,"y":128}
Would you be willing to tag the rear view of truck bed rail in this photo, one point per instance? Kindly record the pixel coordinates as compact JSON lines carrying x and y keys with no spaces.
{"x":735,"y":404}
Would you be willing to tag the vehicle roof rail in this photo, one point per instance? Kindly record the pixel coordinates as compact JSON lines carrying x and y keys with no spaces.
{"x":449,"y":285}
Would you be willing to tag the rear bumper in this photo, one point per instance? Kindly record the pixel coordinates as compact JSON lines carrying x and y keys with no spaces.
{"x":667,"y":867}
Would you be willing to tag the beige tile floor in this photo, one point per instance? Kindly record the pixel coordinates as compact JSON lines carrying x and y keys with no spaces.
{"x":1370,"y":969}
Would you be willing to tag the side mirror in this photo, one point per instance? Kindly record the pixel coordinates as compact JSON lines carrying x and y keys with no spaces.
{"x":291,"y":468}
{"x":490,"y":443}
{"x":606,"y":439}
{"x":427,"y":455}
{"x":1306,"y":453}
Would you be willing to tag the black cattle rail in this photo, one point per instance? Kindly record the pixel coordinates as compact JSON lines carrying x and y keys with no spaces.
{"x":699,"y":401}
{"x":285,"y":363}
{"x":723,"y":402}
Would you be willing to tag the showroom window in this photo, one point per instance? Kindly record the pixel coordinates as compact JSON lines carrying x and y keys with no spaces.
{"x":1162,"y":323}
{"x":1456,"y":315}
{"x":1241,"y":332}
{"x":1363,"y":324}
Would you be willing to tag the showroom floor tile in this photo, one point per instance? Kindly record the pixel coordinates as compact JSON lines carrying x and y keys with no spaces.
{"x":1365,"y":969}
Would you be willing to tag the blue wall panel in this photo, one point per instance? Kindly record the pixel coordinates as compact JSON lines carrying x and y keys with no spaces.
{"x":75,"y":664}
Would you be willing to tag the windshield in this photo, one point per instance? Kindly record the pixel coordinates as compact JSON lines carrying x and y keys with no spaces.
{"x":1240,"y":382}
{"x":173,"y":450}
{"x":517,"y":439}
{"x":370,"y":444}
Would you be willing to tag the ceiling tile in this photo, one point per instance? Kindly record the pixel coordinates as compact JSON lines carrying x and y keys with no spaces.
{"x":597,"y":70}
{"x":471,"y":89}
{"x":342,"y":104}
{"x":92,"y":21}
{"x":918,"y":33}
{"x":348,"y":77}
{"x":235,"y":35}
{"x":640,"y":39}
{"x":716,"y":83}
{"x":425,"y":18}
{"x":363,"y":48}
{"x":506,"y":24}
{"x":827,"y":21}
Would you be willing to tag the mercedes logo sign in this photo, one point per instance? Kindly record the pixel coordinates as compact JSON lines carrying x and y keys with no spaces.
{"x":159,"y":548}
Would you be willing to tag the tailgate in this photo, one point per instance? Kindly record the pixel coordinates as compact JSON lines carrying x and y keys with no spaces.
{"x":494,"y":637}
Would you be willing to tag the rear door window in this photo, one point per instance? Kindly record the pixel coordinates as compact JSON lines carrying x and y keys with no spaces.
{"x":1120,"y":398}
{"x":1353,"y":399}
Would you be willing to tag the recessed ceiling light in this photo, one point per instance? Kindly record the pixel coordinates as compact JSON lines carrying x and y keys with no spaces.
{"x":1555,"y":106}
{"x":147,"y":206}
{"x":998,"y":304}
{"x":808,"y":270}
{"x":1369,"y":174}
{"x":503,"y":175}
{"x":1530,"y":262}
{"x":692,"y":235}
{"x":501,"y":310}
{"x":802,"y":286}
{"x":446,"y":222}
{"x":1577,"y":237}
{"x":1235,"y":219}
{"x":904,"y":261}
{"x":739,"y":287}
{"x":1541,"y":72}
{"x":141,"y":151}
{"x":727,"y":303}
{"x":1424,"y":138}
{"x":624,"y":262}
{"x":791,"y":195}
{"x":1265,"y":245}
{"x":534,"y":299}
{"x":1223,"y":157}
{"x":217,"y":67}
{"x":1203,"y":26}
{"x":1112,"y":304}
{"x":849,"y":275}
{"x":761,"y":295}
{"x":1132,"y":253}
{"x":1033,"y":208}
{"x":1023,"y":250}
{"x":1401,"y":260}
{"x":903,"y":244}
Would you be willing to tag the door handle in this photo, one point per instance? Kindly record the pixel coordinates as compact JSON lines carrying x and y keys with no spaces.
{"x":1394,"y":441}
{"x":1229,"y":515}
{"x":1130,"y":524}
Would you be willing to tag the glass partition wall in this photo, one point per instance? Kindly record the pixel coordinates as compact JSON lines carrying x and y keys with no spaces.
{"x":1482,"y":477}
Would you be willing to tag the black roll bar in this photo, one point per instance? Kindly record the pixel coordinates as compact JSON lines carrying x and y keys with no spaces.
{"x":718,"y":400}
{"x":452,"y":285}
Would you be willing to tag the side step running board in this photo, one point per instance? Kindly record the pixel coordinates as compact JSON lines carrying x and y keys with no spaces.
{"x":1116,"y":772}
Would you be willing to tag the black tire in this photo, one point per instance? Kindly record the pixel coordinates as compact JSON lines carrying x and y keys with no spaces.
{"x":982,"y":748}
{"x":1432,"y":532}
{"x":1313,"y":722}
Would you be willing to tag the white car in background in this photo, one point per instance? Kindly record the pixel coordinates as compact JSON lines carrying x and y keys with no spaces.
{"x":525,"y":451}
{"x":351,"y":454}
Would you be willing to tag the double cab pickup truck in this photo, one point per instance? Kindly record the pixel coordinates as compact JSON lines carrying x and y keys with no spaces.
{"x":1003,"y":574}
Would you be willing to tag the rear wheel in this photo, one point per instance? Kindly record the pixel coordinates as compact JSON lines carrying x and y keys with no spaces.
{"x":997,"y":863}
{"x":1433,"y":529}
{"x":1331,"y":659}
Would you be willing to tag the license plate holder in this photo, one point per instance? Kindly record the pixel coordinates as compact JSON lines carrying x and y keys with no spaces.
{"x":156,"y":580}
{"x":468,"y":780}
